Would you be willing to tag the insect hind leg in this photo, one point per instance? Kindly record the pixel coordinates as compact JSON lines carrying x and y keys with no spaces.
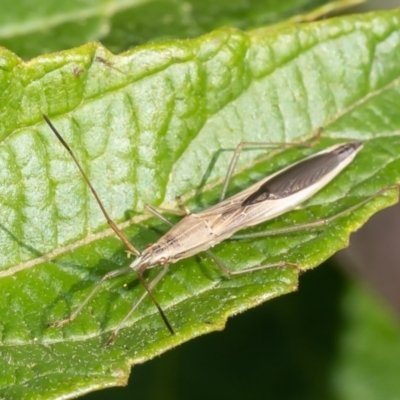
{"x":256,"y":145}
{"x":230,"y":272}
{"x":317,"y":223}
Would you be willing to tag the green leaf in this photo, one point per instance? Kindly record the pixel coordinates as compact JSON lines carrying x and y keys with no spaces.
{"x":333,"y":338}
{"x":120,"y":24}
{"x":154,"y":123}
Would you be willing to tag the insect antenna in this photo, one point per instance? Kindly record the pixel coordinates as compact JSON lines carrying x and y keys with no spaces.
{"x":110,"y":222}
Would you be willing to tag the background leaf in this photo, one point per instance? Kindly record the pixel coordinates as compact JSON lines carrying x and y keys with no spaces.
{"x":155,"y":123}
{"x":120,"y":24}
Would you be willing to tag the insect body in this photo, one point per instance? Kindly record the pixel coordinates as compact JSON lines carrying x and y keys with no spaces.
{"x":198,"y":232}
{"x":262,"y":201}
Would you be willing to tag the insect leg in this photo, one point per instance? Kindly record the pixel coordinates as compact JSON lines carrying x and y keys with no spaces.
{"x":185,"y":211}
{"x":229,"y":272}
{"x":109,"y":275}
{"x":219,"y":262}
{"x":151,"y":286}
{"x":314,"y":224}
{"x":256,"y":145}
{"x":157,"y":211}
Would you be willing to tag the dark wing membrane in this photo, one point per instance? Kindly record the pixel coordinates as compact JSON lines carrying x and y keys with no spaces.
{"x":301,"y":175}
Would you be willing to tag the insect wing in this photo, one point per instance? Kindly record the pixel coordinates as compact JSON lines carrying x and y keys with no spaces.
{"x":279,"y":192}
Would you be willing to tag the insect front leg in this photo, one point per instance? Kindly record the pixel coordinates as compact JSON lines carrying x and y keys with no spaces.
{"x":109,"y":275}
{"x":157,"y":211}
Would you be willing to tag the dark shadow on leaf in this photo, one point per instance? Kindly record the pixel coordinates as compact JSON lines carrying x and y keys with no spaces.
{"x":31,"y":249}
{"x":206,"y":176}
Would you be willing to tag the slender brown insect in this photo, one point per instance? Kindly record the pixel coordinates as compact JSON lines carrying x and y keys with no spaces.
{"x":267,"y":199}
